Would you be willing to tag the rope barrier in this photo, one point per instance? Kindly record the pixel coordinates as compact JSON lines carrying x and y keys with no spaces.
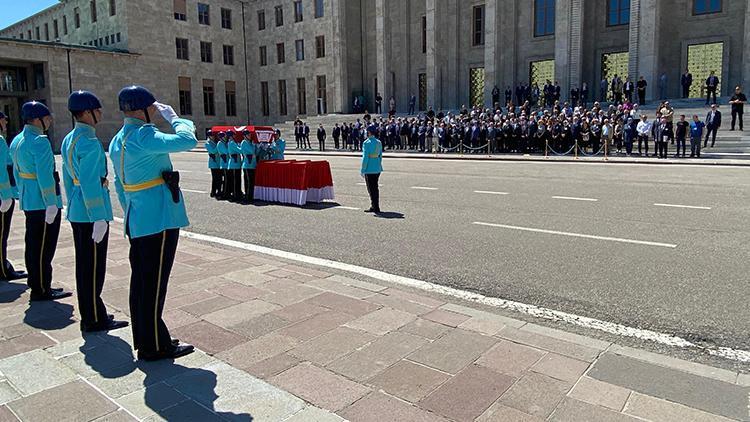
{"x":560,"y":154}
{"x":595,"y":154}
{"x":478,"y":148}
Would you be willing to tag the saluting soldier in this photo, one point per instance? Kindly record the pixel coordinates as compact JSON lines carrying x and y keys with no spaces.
{"x":89,"y":209}
{"x":234,"y":168}
{"x":8,"y":196}
{"x":40,"y":200}
{"x":213,"y":163}
{"x":154,"y":209}
{"x":372,"y":166}
{"x":249,"y":163}
{"x":223,"y":150}
{"x":279,"y":146}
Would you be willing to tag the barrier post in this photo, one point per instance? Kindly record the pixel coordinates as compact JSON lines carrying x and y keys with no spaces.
{"x":489,"y":147}
{"x":546,"y":148}
{"x":606,"y":148}
{"x":576,"y":149}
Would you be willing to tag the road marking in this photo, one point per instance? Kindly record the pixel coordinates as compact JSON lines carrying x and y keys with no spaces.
{"x":572,"y":198}
{"x":423,"y":188}
{"x":585,"y":236}
{"x":193,"y":191}
{"x":341,"y":207}
{"x":533,"y":310}
{"x":683,"y":206}
{"x":487,"y":192}
{"x":365,"y":184}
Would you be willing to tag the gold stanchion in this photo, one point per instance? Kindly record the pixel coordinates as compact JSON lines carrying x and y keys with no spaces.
{"x":546,"y":149}
{"x":576,"y":149}
{"x":606,"y":148}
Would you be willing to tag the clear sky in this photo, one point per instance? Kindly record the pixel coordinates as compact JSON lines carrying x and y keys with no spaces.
{"x":15,"y":10}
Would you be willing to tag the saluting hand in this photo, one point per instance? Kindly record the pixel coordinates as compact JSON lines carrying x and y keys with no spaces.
{"x":167,"y":112}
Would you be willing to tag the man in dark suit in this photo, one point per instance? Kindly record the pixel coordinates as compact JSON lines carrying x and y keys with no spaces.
{"x":306,"y":136}
{"x":713,"y":123}
{"x":712,"y":84}
{"x":298,"y":134}
{"x":508,"y":95}
{"x":336,"y":135}
{"x":321,"y":138}
{"x":686,"y":81}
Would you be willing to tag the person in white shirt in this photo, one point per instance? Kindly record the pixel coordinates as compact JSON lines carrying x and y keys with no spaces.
{"x":644,"y":130}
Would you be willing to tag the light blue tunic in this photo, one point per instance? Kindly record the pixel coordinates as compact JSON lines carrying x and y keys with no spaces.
{"x":34,"y":168}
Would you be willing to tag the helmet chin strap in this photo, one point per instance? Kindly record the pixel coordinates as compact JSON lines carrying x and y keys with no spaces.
{"x":93,"y":115}
{"x":44,"y":126}
{"x":145,"y":113}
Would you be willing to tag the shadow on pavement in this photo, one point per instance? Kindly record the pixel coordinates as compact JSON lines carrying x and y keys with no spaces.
{"x":388,"y":215}
{"x":10,"y":292}
{"x":49,"y":315}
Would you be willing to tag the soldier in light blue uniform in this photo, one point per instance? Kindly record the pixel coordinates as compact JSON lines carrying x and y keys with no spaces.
{"x":213,"y":163}
{"x":279,"y":146}
{"x":372,"y":166}
{"x":89,"y":209}
{"x":249,"y":163}
{"x":154,"y":209}
{"x":8,"y":196}
{"x":223,"y":150}
{"x":234,"y":168}
{"x":40,"y":200}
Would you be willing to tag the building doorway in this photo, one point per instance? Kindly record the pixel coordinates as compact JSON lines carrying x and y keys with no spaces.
{"x":615,"y":64}
{"x":476,"y":86}
{"x":702,"y":60}
{"x":422,"y":91}
{"x":541,"y":71}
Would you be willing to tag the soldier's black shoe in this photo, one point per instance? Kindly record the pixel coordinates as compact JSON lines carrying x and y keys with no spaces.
{"x":176,"y":352}
{"x":369,"y":210}
{"x":110,"y":324}
{"x":15,"y":275}
{"x":52,"y":295}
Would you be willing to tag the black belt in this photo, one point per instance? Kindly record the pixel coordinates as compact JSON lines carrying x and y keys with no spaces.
{"x":56,"y":176}
{"x":235,"y":157}
{"x":11,"y":176}
{"x":212,"y":156}
{"x":224,"y":157}
{"x":249,"y":157}
{"x":172,"y":180}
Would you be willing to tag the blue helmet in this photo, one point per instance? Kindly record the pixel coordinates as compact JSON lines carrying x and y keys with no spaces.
{"x":372,"y":129}
{"x":134,"y":98}
{"x":83,"y":101}
{"x":246,"y":132}
{"x":34,"y":110}
{"x":3,"y":116}
{"x":221,"y":134}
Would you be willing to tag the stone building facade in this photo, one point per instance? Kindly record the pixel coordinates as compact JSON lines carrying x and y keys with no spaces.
{"x":265,"y":61}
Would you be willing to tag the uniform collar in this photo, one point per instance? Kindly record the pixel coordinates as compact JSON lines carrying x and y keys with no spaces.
{"x":134,"y":122}
{"x":31,"y":129}
{"x":84,"y":127}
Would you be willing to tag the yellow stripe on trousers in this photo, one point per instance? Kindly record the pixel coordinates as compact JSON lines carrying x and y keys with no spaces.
{"x":93,"y":290}
{"x":158,"y":289}
{"x":41,"y":258}
{"x":2,"y":232}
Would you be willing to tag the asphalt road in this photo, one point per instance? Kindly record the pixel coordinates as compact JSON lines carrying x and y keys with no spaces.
{"x":689,"y":277}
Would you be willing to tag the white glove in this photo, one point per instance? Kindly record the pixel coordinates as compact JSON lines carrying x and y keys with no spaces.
{"x":100,"y":229}
{"x":167,"y":112}
{"x":5,"y":205}
{"x":51,"y":214}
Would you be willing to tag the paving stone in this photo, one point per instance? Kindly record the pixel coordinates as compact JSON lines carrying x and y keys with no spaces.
{"x":209,"y":305}
{"x":306,"y":271}
{"x":332,"y":345}
{"x":7,"y":392}
{"x":712,"y":396}
{"x":377,"y":356}
{"x":382,"y":321}
{"x":239,"y":313}
{"x":24,"y":343}
{"x":566,"y":336}
{"x":333,"y":286}
{"x":238,"y":291}
{"x":400,"y":304}
{"x":484,"y":315}
{"x":35,"y":371}
{"x":254,"y":351}
{"x":106,"y":360}
{"x":412,"y":297}
{"x":488,"y":327}
{"x":343,"y":304}
{"x":175,"y":318}
{"x":208,"y":337}
{"x":299,"y":311}
{"x":499,"y":413}
{"x":236,"y":395}
{"x":75,"y":401}
{"x":424,"y":328}
{"x":280,"y":273}
{"x":551,"y":344}
{"x":535,"y":394}
{"x":151,"y":400}
{"x":578,"y":411}
{"x":409,"y":381}
{"x":510,"y":358}
{"x":287,"y":292}
{"x":187,"y":299}
{"x":117,"y":416}
{"x":313,"y":414}
{"x":249,"y":277}
{"x":259,"y":326}
{"x":316,"y":325}
{"x":348,"y":281}
{"x":561,"y":367}
{"x":468,"y":394}
{"x":744,"y":380}
{"x":654,"y":409}
{"x":451,"y":319}
{"x":272,"y":366}
{"x":454,"y":351}
{"x":186,"y":411}
{"x":378,"y":407}
{"x":320,"y":387}
{"x":600,"y":393}
{"x":6,"y":415}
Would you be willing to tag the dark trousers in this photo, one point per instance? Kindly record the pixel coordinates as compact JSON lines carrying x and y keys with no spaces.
{"x":249,"y":184}
{"x":628,"y":145}
{"x":371,"y":180}
{"x":710,"y":133}
{"x":298,"y":139}
{"x":644,"y":140}
{"x":661,"y":149}
{"x":228,"y":183}
{"x":709,"y":93}
{"x":642,"y":97}
{"x":151,"y":259}
{"x":91,"y":268}
{"x":695,"y":147}
{"x":735,"y":116}
{"x":236,"y":184}
{"x":216,"y":176}
{"x":224,"y":187}
{"x":336,"y":142}
{"x":41,"y":243}
{"x":6,"y":267}
{"x":685,"y":91}
{"x":681,"y":143}
{"x":322,"y":144}
{"x":306,"y":142}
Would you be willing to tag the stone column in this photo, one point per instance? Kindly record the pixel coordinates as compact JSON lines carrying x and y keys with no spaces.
{"x":491,"y":64}
{"x":568,"y":38}
{"x":746,"y":51}
{"x":432,"y":61}
{"x":644,"y":44}
{"x":382,"y":51}
{"x":340,"y":80}
{"x":507,"y":57}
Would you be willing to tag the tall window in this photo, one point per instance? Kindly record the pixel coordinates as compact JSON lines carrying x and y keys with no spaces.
{"x":282,"y":97}
{"x":46,"y":32}
{"x":76,"y":17}
{"x":226,"y":18}
{"x":206,"y":52}
{"x":261,"y":20}
{"x":186,"y":102}
{"x":298,"y":11}
{"x":424,"y":34}
{"x":29,"y":34}
{"x":319,"y":11}
{"x":703,"y":7}
{"x":299,"y":48}
{"x":322,"y":95}
{"x":229,"y":55}
{"x":38,"y":34}
{"x":112,"y":7}
{"x":56,"y":29}
{"x":279,"y":13}
{"x":93,"y":11}
{"x":231,"y":98}
{"x":65,"y":25}
{"x":263,"y":55}
{"x":183,"y":52}
{"x":280,"y":55}
{"x":301,"y":96}
{"x":180,"y":10}
{"x":204,"y":14}
{"x":320,"y":46}
{"x":209,"y":106}
{"x":544,"y":17}
{"x":618,"y":12}
{"x":264,"y":104}
{"x":477,"y":29}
